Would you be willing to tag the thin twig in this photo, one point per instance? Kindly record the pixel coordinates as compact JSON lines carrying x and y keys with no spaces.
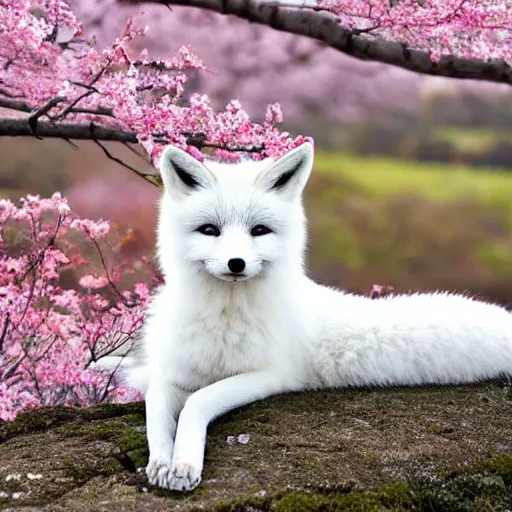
{"x":152,"y":178}
{"x":135,"y":152}
{"x":107,"y":275}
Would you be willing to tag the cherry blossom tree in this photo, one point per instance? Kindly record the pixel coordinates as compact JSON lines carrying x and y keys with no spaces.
{"x":50,"y":332}
{"x":68,"y":88}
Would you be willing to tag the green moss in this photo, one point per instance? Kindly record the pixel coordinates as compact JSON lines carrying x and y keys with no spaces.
{"x":82,"y":474}
{"x":486,"y":485}
{"x":128,"y":440}
{"x":239,"y":421}
{"x":36,"y":421}
{"x":298,"y":502}
{"x":315,"y":457}
{"x":243,"y":504}
{"x":139,"y":457}
{"x":135,"y":419}
{"x":131,"y":444}
{"x":394,"y":496}
{"x":45,"y":418}
{"x":116,"y":431}
{"x":440,"y":429}
{"x":111,"y":466}
{"x":371,"y":458}
{"x":176,"y":495}
{"x":106,"y":411}
{"x":500,"y":466}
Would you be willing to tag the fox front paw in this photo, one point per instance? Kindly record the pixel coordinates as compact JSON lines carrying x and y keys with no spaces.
{"x":185,"y":476}
{"x":159,"y":473}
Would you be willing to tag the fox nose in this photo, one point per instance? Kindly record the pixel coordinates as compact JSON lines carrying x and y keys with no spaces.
{"x":236,"y":265}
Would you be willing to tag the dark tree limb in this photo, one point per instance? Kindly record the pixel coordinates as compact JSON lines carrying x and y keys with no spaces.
{"x":98,"y":134}
{"x":22,"y":128}
{"x":91,"y":131}
{"x":324,"y":26}
{"x":20,"y":106}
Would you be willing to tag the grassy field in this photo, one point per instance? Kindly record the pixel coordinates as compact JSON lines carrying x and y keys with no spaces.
{"x":412,"y":225}
{"x":382,"y":177}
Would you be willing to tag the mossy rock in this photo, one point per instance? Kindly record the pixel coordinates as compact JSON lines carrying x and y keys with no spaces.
{"x":400,"y":449}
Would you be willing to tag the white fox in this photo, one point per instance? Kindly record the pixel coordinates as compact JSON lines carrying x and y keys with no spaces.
{"x":237,"y":320}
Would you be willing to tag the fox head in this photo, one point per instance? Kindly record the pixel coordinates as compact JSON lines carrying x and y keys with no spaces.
{"x":235,"y":222}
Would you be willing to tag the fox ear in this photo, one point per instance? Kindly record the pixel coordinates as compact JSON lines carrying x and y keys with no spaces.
{"x":288,"y":175}
{"x":182,"y":173}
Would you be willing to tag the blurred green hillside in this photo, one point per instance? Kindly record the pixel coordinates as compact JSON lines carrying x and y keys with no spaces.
{"x":411,"y":225}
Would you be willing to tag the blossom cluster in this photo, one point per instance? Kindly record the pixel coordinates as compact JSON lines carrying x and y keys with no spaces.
{"x":480,"y":29}
{"x":64,"y":303}
{"x":58,"y":75}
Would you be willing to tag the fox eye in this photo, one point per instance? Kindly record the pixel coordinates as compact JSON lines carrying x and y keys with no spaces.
{"x":209,"y":230}
{"x":260,"y":230}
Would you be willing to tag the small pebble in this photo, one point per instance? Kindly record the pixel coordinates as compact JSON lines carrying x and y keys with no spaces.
{"x":240,"y":439}
{"x":243,"y":438}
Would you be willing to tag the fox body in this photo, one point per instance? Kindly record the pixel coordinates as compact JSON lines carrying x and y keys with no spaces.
{"x":238,"y":320}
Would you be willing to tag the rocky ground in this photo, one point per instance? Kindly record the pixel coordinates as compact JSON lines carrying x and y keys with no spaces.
{"x":422,"y":449}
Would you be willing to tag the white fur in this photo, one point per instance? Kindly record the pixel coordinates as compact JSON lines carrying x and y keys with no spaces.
{"x":214,"y":342}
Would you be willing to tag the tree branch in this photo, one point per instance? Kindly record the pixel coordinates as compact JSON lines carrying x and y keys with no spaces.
{"x":22,"y":128}
{"x":91,"y":131}
{"x":324,"y":26}
{"x":20,"y":106}
{"x":95,"y":133}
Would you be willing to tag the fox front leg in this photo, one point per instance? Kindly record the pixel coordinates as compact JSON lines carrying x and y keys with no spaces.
{"x":163,"y":405}
{"x":201,"y":408}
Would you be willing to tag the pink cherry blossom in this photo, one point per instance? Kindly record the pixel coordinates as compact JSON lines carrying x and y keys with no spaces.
{"x":93,"y":282}
{"x":50,"y":67}
{"x":480,"y":29}
{"x":50,"y":334}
